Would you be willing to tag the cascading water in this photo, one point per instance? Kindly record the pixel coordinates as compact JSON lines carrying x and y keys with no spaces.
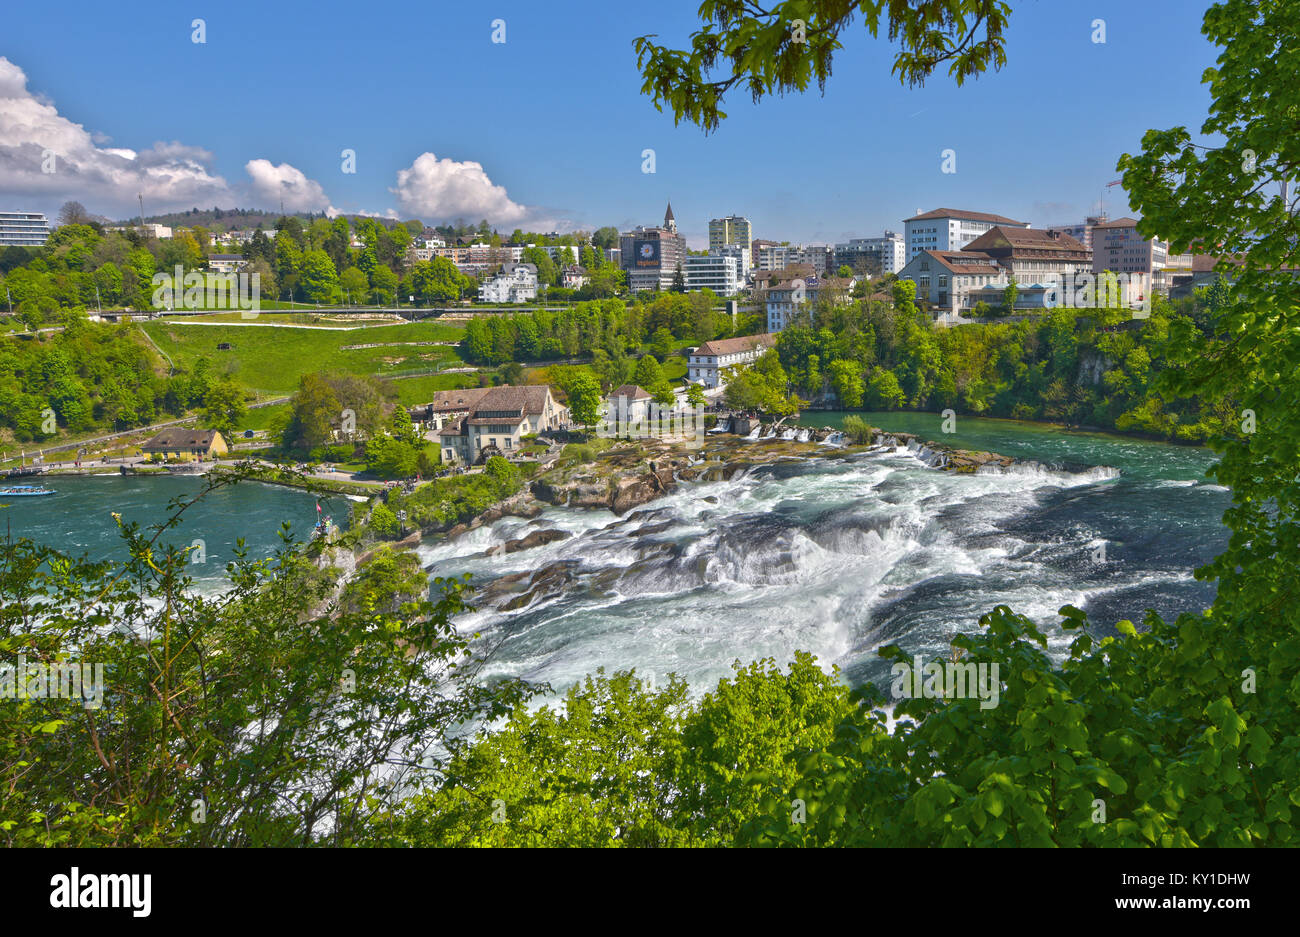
{"x":836,"y":557}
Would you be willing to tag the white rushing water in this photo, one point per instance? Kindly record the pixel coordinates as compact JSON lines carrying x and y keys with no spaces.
{"x":833,"y":557}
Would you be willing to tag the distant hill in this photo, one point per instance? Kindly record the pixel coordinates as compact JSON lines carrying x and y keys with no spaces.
{"x":230,"y":219}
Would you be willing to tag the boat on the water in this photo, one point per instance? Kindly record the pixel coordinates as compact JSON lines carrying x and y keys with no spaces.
{"x":24,"y":491}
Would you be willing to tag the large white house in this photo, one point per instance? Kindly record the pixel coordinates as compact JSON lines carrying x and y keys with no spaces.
{"x":497,"y":419}
{"x":707,"y":363}
{"x":949,"y":229}
{"x":517,"y":284}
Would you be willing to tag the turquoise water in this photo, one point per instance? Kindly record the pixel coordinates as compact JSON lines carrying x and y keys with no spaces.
{"x":1135,"y":458}
{"x":78,"y":519}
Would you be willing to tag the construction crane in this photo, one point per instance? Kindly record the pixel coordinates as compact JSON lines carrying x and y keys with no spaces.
{"x":1108,"y":185}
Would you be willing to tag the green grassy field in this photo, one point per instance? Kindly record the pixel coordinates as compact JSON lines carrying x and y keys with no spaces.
{"x":271,"y":360}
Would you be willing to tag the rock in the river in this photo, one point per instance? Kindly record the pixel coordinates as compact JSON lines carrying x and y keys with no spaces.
{"x":536,"y":538}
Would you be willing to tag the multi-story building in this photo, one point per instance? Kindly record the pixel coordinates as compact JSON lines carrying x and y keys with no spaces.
{"x":786,"y":297}
{"x":944,"y":279}
{"x":1117,"y":247}
{"x":516,"y":284}
{"x":1081,"y":231}
{"x":780,"y":256}
{"x":871,"y":256}
{"x":949,"y":229}
{"x":652,"y":256}
{"x":23,"y":229}
{"x":1035,"y":257}
{"x":707,"y":364}
{"x":730,"y":231}
{"x":718,"y":272}
{"x":497,"y":420}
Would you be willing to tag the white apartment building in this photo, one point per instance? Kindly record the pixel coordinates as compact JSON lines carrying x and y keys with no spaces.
{"x":779,"y":256}
{"x":707,"y":364}
{"x":718,"y":272}
{"x":889,"y":253}
{"x":517,"y":284}
{"x":23,"y":229}
{"x":949,"y":229}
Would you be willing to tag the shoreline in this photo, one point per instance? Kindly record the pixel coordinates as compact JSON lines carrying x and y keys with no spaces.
{"x":1079,"y":429}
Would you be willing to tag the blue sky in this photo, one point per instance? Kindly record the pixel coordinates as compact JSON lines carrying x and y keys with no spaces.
{"x":555,"y":118}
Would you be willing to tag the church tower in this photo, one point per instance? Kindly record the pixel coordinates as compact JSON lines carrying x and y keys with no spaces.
{"x":669,"y":221}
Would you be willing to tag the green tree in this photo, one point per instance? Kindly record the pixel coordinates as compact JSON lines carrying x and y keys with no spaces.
{"x":762,"y":53}
{"x":320,"y":280}
{"x":223,"y":407}
{"x":584,"y":400}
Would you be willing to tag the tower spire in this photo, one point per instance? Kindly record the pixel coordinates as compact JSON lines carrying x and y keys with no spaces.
{"x":669,"y":221}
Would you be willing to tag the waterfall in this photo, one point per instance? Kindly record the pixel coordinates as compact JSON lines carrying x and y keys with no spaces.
{"x":753,"y":433}
{"x":787,"y":434}
{"x":803,"y":436}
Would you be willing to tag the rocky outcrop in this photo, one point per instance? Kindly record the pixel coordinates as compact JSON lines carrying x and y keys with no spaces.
{"x":536,"y":538}
{"x":619,"y":493}
{"x":521,"y":590}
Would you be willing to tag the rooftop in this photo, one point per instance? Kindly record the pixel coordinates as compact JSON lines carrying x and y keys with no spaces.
{"x":730,"y":346}
{"x":967,"y":215}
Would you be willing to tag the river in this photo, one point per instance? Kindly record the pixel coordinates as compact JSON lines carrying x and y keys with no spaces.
{"x":78,"y":519}
{"x":840,"y":557}
{"x":836,"y":557}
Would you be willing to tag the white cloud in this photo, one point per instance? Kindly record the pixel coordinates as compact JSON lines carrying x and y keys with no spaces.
{"x":32,"y":131}
{"x":441,"y":190}
{"x":107,"y":179}
{"x":270,"y":182}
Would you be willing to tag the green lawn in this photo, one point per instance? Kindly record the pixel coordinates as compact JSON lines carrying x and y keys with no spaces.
{"x":271,"y":360}
{"x":674,"y":368}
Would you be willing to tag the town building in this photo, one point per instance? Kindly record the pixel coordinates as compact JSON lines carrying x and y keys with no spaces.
{"x":1081,"y":231}
{"x":185,"y":444}
{"x":782,"y":256}
{"x":787,"y":296}
{"x":225,"y":263}
{"x":721,"y":273}
{"x":708,"y":363}
{"x":628,"y":404}
{"x":1034,"y":256}
{"x":573,"y":278}
{"x":23,"y":229}
{"x":652,"y":256}
{"x":497,"y":420}
{"x":872,"y":256}
{"x":1117,"y":247}
{"x":945,"y":278}
{"x":446,"y":407}
{"x":732,"y":231}
{"x":949,"y":229}
{"x":516,"y":284}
